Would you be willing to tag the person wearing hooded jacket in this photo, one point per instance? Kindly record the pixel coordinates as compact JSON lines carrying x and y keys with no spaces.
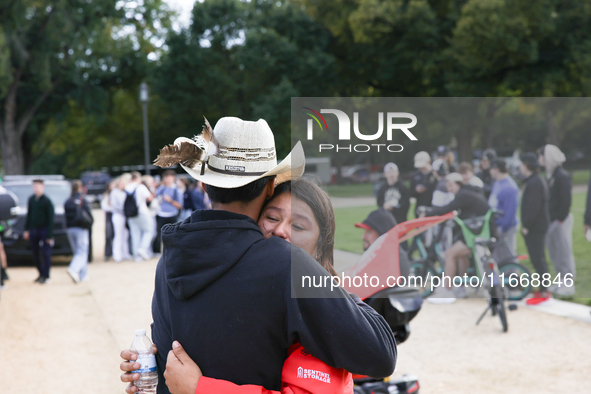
{"x":534,"y":221}
{"x":559,"y":237}
{"x":393,"y":195}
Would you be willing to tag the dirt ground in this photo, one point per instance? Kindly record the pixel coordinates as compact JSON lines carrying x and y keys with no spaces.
{"x":65,"y":338}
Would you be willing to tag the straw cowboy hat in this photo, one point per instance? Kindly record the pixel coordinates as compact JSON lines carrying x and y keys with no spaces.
{"x":236,"y":152}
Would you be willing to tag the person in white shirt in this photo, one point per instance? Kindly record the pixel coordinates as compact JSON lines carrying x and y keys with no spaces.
{"x":466,"y":170}
{"x":121,"y":235}
{"x":153,"y":207}
{"x":140,"y":226}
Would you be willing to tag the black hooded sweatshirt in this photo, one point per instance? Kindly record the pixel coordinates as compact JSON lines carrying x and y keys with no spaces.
{"x":534,"y":205}
{"x":225,"y":293}
{"x":560,"y":188}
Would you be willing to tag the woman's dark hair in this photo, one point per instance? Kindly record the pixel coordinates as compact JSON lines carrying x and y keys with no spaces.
{"x":280,"y":189}
{"x":245,"y":193}
{"x":76,"y":186}
{"x":312,"y":194}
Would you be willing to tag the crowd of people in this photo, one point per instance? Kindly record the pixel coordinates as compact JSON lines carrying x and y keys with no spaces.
{"x":545,"y":220}
{"x":137,"y":207}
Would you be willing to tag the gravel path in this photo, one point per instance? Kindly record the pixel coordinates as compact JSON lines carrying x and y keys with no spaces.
{"x":65,"y":338}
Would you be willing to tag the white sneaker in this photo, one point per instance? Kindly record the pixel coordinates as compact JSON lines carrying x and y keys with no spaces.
{"x":85,"y":279}
{"x":442,"y":295}
{"x":565,"y":291}
{"x":75,"y":277}
{"x":143,"y":254}
{"x":460,"y":292}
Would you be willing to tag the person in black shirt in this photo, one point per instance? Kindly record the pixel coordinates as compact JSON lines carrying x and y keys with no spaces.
{"x":487,"y":157}
{"x":423,"y":181}
{"x":535,"y":220}
{"x":559,"y":237}
{"x":39,"y":229}
{"x":394,"y":196}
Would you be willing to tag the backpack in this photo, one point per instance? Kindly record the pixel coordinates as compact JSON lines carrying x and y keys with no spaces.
{"x":79,"y":217}
{"x":130,"y":208}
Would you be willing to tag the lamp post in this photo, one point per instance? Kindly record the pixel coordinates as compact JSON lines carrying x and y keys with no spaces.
{"x":144,"y":98}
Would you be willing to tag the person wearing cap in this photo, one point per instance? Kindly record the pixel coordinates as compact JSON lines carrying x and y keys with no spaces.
{"x":378,"y":223}
{"x":469,"y":204}
{"x":504,"y":197}
{"x":535,"y":220}
{"x":423,"y":181}
{"x":484,"y":174}
{"x":235,"y":299}
{"x":394,"y":196}
{"x":559,"y":237}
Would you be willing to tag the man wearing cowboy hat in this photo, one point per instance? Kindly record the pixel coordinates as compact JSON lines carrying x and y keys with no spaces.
{"x":227,"y":294}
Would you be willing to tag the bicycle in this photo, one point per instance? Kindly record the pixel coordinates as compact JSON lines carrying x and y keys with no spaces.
{"x":431,"y":261}
{"x":488,"y":274}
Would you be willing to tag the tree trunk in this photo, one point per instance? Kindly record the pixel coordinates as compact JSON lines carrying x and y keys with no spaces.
{"x":12,"y":151}
{"x":489,"y":131}
{"x":465,"y":145}
{"x":12,"y":131}
{"x":554,"y":130}
{"x":10,"y":137}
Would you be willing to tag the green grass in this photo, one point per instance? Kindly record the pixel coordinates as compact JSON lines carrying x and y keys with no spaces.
{"x":353,"y":190}
{"x":348,"y":238}
{"x":581,"y":177}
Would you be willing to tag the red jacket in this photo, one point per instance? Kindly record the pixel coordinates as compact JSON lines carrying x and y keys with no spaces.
{"x":302,"y":374}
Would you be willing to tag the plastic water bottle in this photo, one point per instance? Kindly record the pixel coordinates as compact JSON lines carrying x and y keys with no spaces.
{"x":142,"y":346}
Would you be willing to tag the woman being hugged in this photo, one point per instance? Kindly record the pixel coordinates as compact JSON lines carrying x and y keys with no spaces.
{"x":301,"y":213}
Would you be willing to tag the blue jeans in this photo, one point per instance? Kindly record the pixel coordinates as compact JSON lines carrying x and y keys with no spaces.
{"x":41,"y":250}
{"x":79,"y":241}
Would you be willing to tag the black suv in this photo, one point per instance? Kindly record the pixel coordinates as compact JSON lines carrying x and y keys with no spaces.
{"x":58,"y":190}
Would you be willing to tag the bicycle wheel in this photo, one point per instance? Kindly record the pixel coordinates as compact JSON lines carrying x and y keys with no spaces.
{"x":498,"y":304}
{"x":512,"y":272}
{"x":421,"y":276}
